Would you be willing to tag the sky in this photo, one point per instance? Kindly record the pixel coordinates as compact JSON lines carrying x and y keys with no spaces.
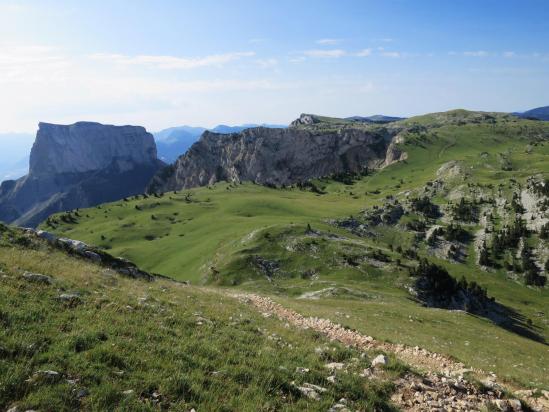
{"x":168,"y":63}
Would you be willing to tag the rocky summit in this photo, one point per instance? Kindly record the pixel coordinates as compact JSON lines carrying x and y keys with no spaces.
{"x":79,"y":165}
{"x":310,"y":148}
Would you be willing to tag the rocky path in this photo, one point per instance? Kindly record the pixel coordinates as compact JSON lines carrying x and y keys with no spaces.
{"x":440,"y":386}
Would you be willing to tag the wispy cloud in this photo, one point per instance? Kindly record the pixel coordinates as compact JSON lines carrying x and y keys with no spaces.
{"x":51,"y":83}
{"x":328,"y":42}
{"x":383,"y":40}
{"x":172,"y":62}
{"x":267,"y":63}
{"x":25,"y":63}
{"x":535,"y":55}
{"x":477,"y":53}
{"x":337,"y":53}
{"x":325,"y":53}
{"x":297,"y":59}
{"x":364,"y":53}
{"x":391,"y":54}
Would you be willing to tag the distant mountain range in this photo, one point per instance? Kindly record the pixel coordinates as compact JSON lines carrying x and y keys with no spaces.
{"x":12,"y":171}
{"x":539,"y":113}
{"x":175,"y":141}
{"x":14,"y":154}
{"x":172,"y":142}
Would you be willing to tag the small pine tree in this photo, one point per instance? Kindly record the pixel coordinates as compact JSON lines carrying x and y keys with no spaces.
{"x":484,"y":256}
{"x":544,"y":232}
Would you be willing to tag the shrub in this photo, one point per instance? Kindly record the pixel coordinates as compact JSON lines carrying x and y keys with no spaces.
{"x":465,"y":211}
{"x":426,"y":207}
{"x":438,"y":278}
{"x":455,"y":232}
{"x":544,"y":232}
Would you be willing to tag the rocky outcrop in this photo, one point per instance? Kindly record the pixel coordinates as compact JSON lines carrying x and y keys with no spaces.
{"x":394,"y":152}
{"x":79,"y":165}
{"x":277,"y":156}
{"x":305,"y":119}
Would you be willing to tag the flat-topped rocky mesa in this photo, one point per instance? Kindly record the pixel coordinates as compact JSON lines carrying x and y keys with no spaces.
{"x":79,"y":165}
{"x":311,"y":147}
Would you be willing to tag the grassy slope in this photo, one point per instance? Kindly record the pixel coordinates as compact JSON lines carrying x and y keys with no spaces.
{"x":216,"y":221}
{"x":218,"y":232}
{"x":170,"y":345}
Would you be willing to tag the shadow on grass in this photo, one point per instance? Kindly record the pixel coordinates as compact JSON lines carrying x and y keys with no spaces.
{"x":501,"y":315}
{"x":511,"y":320}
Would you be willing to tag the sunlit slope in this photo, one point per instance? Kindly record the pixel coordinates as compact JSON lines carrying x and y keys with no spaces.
{"x":182,"y":235}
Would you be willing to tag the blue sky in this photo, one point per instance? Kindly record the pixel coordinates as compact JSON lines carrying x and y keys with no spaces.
{"x":168,"y":63}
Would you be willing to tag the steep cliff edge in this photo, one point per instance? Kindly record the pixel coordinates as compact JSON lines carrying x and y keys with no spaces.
{"x":79,"y":165}
{"x":310,"y":148}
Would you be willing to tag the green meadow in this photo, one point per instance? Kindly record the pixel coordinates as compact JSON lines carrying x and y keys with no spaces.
{"x":216,"y":236}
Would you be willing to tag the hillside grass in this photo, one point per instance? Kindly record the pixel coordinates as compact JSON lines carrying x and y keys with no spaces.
{"x":130,"y":345}
{"x":210,"y":235}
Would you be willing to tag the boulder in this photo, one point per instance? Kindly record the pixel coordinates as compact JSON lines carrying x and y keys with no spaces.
{"x":71,"y":299}
{"x":74,"y":245}
{"x":37,"y":278}
{"x":50,"y":237}
{"x":46,"y":376}
{"x":334,"y":366}
{"x":379,"y":361}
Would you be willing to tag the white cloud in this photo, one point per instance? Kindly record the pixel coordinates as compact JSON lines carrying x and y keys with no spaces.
{"x":478,"y":53}
{"x":330,"y":54}
{"x":509,"y":54}
{"x":172,"y":62}
{"x":391,"y":54}
{"x":47,"y":84}
{"x":364,"y":53}
{"x":328,"y":42}
{"x":383,"y":40}
{"x":297,"y":59}
{"x":267,"y":63}
{"x":28,"y":63}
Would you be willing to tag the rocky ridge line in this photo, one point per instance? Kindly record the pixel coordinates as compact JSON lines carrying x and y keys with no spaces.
{"x":281,"y":156}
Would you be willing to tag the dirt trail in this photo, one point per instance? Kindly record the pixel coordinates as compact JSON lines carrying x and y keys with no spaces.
{"x":442,"y":385}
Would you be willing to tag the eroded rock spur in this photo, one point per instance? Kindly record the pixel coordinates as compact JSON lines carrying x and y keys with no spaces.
{"x":440,"y":383}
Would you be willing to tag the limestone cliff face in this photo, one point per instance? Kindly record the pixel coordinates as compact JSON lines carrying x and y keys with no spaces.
{"x":276,"y":156}
{"x":85,"y":147}
{"x":79,"y":165}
